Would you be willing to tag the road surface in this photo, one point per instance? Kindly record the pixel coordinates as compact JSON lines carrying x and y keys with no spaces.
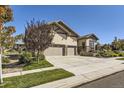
{"x":112,"y":81}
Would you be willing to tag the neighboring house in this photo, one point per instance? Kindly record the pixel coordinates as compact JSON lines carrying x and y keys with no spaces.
{"x":64,"y":41}
{"x":19,"y":45}
{"x":87,"y":43}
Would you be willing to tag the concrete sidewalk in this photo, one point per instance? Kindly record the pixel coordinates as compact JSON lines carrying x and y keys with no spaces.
{"x":81,"y":79}
{"x":28,"y":72}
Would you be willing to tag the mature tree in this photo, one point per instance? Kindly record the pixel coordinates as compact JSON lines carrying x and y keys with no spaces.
{"x":106,"y":47}
{"x":117,"y":44}
{"x":38,"y":36}
{"x":6,"y":15}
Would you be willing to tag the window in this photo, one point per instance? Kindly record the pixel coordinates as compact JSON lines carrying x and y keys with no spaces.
{"x":83,"y":45}
{"x":91,"y":44}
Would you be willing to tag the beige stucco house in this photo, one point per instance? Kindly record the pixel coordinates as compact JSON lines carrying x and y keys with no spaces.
{"x":67,"y":42}
{"x":64,"y":41}
{"x":87,"y":43}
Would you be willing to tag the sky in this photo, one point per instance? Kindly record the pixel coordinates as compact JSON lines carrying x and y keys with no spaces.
{"x":104,"y":21}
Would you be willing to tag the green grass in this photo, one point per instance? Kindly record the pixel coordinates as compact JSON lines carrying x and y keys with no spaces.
{"x":120,"y":58}
{"x":36,"y":65}
{"x":34,"y":79}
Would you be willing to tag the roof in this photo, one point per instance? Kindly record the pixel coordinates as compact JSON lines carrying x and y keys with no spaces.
{"x":66,"y":28}
{"x":89,"y":36}
{"x":122,"y":40}
{"x":19,"y":42}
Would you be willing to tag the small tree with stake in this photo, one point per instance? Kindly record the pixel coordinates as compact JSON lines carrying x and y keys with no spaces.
{"x":38,"y":37}
{"x":6,"y":39}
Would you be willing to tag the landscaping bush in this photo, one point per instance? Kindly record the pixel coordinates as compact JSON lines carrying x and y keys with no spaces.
{"x":106,"y":54}
{"x":5,"y":60}
{"x":41,"y":57}
{"x":116,"y":51}
{"x":10,"y":51}
{"x":26,"y":57}
{"x":86,"y":54}
{"x":121,"y":54}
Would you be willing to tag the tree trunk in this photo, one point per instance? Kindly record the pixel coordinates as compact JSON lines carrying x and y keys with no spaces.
{"x":38,"y":52}
{"x":1,"y":78}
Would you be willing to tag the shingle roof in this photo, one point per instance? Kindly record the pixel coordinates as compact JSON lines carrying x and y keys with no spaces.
{"x":20,"y":42}
{"x":88,"y":36}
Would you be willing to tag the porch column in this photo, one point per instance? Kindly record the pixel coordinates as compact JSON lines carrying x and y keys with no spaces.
{"x":66,"y":50}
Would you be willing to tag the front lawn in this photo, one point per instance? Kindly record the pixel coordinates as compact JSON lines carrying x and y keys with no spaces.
{"x":37,"y":65}
{"x":31,"y":66}
{"x":120,"y":58}
{"x":30,"y":80}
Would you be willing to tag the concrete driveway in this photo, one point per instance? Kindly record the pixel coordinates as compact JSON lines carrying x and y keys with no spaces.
{"x":80,"y":65}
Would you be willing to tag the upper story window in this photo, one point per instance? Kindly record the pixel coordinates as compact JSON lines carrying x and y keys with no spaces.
{"x":91,"y":43}
{"x":64,"y":36}
{"x":83,"y":45}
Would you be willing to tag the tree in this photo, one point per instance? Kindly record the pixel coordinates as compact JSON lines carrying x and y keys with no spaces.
{"x":106,"y":47}
{"x":6,"y":15}
{"x":7,"y":39}
{"x":38,"y":36}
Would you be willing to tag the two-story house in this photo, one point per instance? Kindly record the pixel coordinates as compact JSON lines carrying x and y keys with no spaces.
{"x":64,"y":41}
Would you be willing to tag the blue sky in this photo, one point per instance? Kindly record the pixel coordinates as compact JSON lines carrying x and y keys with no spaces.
{"x":104,"y":21}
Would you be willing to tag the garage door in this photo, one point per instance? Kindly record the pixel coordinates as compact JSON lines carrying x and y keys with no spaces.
{"x":54,"y":51}
{"x":71,"y":51}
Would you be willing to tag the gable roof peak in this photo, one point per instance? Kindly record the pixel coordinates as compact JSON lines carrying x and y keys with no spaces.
{"x":89,"y":35}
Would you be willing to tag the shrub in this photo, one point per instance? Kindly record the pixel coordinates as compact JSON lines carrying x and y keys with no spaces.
{"x":106,"y":54}
{"x":116,"y":51}
{"x":41,"y":57}
{"x":5,"y":60}
{"x":114,"y":55}
{"x":26,"y":57}
{"x":86,"y":54}
{"x":121,"y":54}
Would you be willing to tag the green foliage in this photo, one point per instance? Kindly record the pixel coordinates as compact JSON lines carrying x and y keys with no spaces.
{"x":121,"y":54}
{"x":41,"y":57}
{"x":86,"y":54}
{"x":34,"y":79}
{"x":37,"y":65}
{"x":106,"y":54}
{"x":5,"y":60}
{"x":118,"y":45}
{"x":120,"y":58}
{"x":26,"y":57}
{"x":10,"y":51}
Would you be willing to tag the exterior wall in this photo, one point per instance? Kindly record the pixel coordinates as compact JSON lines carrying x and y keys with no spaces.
{"x":87,"y":43}
{"x":80,"y":42}
{"x":60,"y":38}
{"x":63,"y":39}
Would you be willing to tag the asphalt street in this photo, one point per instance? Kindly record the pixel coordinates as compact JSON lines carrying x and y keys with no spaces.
{"x":112,"y":81}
